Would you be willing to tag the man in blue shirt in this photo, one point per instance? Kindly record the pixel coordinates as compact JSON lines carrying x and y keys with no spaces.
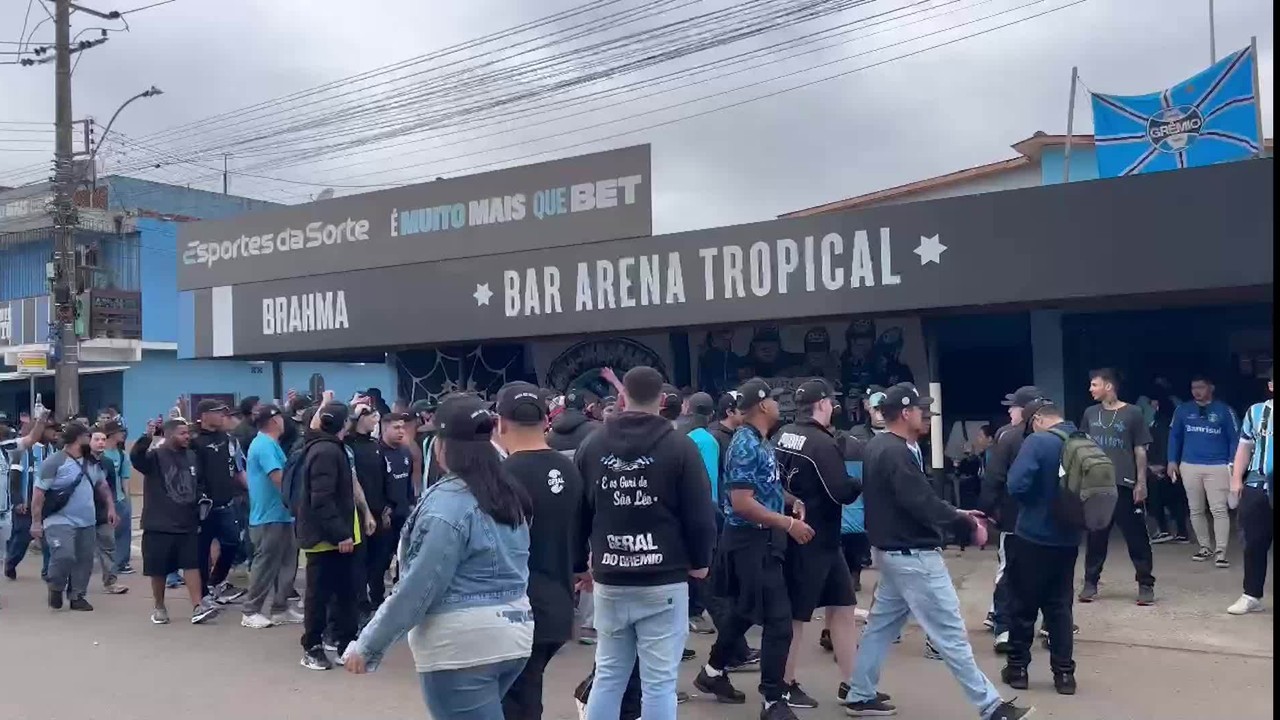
{"x":69,"y":531}
{"x":1253,"y":480}
{"x":119,"y":460}
{"x":1202,"y":440}
{"x":1042,"y":552}
{"x":275,"y":554}
{"x":753,"y":546}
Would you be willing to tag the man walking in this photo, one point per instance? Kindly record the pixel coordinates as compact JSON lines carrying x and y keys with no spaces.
{"x":906,"y":524}
{"x":374,"y":558}
{"x":1203,"y":438}
{"x":557,"y":536}
{"x":811,"y":464}
{"x":1120,"y":429}
{"x":275,"y":553}
{"x":104,"y":530}
{"x":118,"y":459}
{"x":1042,"y":553}
{"x":750,"y":559}
{"x":216,"y":461}
{"x":1253,"y":481}
{"x":652,"y":530}
{"x":62,"y":515}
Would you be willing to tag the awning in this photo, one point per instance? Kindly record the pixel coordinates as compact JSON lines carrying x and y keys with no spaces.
{"x":87,"y":370}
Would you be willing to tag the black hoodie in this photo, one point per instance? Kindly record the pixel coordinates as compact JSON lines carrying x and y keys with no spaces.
{"x":653,"y":518}
{"x":570,"y":429}
{"x":371,"y":471}
{"x":327,"y":511}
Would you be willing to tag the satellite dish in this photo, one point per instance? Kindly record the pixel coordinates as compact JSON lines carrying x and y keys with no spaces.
{"x":324,"y":194}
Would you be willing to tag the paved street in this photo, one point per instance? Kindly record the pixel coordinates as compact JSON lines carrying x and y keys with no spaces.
{"x":1184,"y":658}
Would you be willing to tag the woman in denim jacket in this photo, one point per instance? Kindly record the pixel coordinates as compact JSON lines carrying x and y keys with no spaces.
{"x":464,"y":569}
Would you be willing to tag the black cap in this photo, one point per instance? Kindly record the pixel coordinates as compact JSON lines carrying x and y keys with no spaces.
{"x":669,"y":401}
{"x":817,"y":339}
{"x":701,"y":403}
{"x":755,"y":391}
{"x":727,"y":403}
{"x":264,"y":414}
{"x":811,"y":391}
{"x":1023,"y":396}
{"x":465,"y":418}
{"x":420,"y":407}
{"x":766,"y":333}
{"x":1035,"y":406}
{"x":522,"y":402}
{"x":333,"y":417}
{"x":906,"y":395}
{"x":575,"y":399}
{"x":875,"y":396}
{"x":110,"y":427}
{"x":211,"y":405}
{"x":300,"y":403}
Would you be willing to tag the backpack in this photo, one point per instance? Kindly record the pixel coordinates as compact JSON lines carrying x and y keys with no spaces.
{"x":293,"y":479}
{"x":1087,"y":494}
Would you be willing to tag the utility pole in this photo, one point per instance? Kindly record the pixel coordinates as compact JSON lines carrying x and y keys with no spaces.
{"x":67,"y":376}
{"x":1213,"y":39}
{"x":226,"y":179}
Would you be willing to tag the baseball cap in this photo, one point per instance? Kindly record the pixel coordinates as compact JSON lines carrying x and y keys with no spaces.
{"x":670,"y":402}
{"x":700,"y":403}
{"x":522,"y":402}
{"x":817,"y":339}
{"x":811,"y":391}
{"x":1035,"y":406}
{"x":905,"y":395}
{"x":575,"y":399}
{"x":111,"y":427}
{"x":755,"y":391}
{"x":1023,"y":396}
{"x":211,"y":405}
{"x":727,"y":403}
{"x":265,"y":413}
{"x":300,"y":403}
{"x":465,"y":418}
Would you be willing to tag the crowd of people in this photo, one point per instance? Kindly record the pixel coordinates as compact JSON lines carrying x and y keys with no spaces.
{"x":508,"y":528}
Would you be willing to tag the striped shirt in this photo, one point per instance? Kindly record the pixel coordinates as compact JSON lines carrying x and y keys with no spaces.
{"x":1256,"y":433}
{"x":25,"y":462}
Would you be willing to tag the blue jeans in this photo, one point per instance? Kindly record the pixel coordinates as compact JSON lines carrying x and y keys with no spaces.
{"x":918,"y":585}
{"x":651,"y":623}
{"x":473,"y":693}
{"x":124,"y":532}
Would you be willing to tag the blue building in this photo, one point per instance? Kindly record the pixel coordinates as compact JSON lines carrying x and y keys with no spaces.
{"x":127,"y":258}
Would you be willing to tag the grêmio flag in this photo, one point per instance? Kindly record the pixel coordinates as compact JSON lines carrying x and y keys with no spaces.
{"x":1209,"y":118}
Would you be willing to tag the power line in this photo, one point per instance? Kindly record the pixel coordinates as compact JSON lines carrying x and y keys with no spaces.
{"x":146,"y":7}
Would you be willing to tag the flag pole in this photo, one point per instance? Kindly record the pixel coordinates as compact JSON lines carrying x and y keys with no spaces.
{"x":1071,"y":117}
{"x":1213,"y":40}
{"x":1257,"y":96}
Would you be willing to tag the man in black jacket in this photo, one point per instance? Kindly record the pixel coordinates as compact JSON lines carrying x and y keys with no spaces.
{"x":216,"y":459}
{"x":328,"y":531}
{"x":573,"y":426}
{"x":906,"y":524}
{"x":374,"y":557}
{"x":652,"y":529}
{"x":728,"y":420}
{"x":811,"y":464}
{"x":996,"y":502}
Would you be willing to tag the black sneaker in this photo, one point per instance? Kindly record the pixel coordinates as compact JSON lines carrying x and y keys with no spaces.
{"x":55,"y":599}
{"x":990,"y":622}
{"x":316,"y":659}
{"x":1008,"y":711}
{"x":719,"y":686}
{"x":1220,"y":559}
{"x":1182,"y":539}
{"x":796,"y":697}
{"x":1160,"y":538}
{"x":687,"y":654}
{"x":1064,"y":683}
{"x":842,"y":694}
{"x":203,"y":612}
{"x":11,"y":572}
{"x":778,"y":710}
{"x":870,"y":708}
{"x":1088,"y":592}
{"x":81,"y":605}
{"x":747,"y":664}
{"x":1014,"y":677}
{"x":682,"y":697}
{"x":1203,"y":555}
{"x":1146,"y":595}
{"x":824,"y":641}
{"x":126,"y":570}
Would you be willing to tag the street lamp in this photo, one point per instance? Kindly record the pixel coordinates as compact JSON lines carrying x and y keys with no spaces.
{"x":151,"y":92}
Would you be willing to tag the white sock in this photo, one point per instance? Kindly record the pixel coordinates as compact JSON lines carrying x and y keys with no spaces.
{"x":712,"y":672}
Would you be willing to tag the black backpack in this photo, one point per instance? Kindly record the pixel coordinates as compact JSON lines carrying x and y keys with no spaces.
{"x":293,"y":479}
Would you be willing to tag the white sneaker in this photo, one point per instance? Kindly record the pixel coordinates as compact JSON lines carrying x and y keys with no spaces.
{"x":257,"y":621}
{"x":1245,"y":605}
{"x":288,"y":617}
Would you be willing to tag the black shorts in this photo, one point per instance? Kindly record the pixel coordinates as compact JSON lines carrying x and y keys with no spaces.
{"x":817,"y":577}
{"x":164,"y":553}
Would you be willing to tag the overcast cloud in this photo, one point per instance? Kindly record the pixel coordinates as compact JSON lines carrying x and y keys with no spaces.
{"x":937,"y":112}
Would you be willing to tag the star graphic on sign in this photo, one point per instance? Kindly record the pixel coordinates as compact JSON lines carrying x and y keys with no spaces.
{"x":930,"y":250}
{"x":482,"y":294}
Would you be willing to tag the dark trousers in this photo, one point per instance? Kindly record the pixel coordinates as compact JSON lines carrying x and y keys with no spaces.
{"x":697,"y":591}
{"x":219,"y":525}
{"x":1001,"y":602}
{"x":377,"y":560}
{"x":775,"y":621}
{"x":523,"y":700}
{"x":857,"y":554}
{"x":1257,"y":520}
{"x":1132,"y":522}
{"x":719,"y":608}
{"x":19,"y":542}
{"x":1168,"y":501}
{"x":1041,"y":579}
{"x":330,"y":598}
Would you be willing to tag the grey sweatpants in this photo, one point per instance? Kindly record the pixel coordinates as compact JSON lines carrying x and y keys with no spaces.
{"x":71,"y":553}
{"x":275,"y":565}
{"x":106,"y":538}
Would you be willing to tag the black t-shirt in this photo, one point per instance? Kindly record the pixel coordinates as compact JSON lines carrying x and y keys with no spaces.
{"x":1118,"y":432}
{"x":557,"y":537}
{"x":399,"y":466}
{"x":216,"y":460}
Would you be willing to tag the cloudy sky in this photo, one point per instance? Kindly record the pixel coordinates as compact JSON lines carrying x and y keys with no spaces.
{"x":900,"y":110}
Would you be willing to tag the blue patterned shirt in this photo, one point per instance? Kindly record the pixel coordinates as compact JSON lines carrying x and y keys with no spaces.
{"x":749,"y":464}
{"x":1257,"y":435}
